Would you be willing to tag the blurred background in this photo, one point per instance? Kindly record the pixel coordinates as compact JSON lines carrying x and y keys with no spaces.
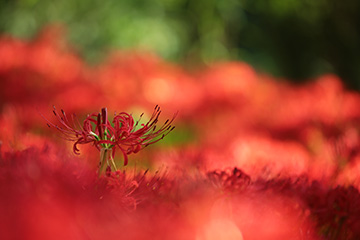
{"x":293,"y":39}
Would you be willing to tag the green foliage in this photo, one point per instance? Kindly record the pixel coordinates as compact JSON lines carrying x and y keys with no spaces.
{"x":297,"y":39}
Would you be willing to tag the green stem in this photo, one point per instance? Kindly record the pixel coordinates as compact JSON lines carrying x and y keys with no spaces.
{"x":103,"y":157}
{"x":113,"y":163}
{"x":106,"y":157}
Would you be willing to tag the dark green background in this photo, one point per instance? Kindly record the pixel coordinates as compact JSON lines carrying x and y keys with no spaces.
{"x":296,"y":39}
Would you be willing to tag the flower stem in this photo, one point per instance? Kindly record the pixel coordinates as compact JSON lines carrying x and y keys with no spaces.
{"x":113,"y":162}
{"x":106,"y":157}
{"x":103,"y":159}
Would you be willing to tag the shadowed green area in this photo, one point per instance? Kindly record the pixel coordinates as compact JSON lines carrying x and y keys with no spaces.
{"x":297,"y":39}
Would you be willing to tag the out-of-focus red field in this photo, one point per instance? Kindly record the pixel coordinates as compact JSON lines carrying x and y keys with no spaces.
{"x":252,"y":157}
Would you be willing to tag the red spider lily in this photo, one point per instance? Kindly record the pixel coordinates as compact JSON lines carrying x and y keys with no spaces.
{"x":107,"y":137}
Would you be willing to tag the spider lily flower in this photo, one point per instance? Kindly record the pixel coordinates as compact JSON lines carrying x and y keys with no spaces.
{"x":122,"y":134}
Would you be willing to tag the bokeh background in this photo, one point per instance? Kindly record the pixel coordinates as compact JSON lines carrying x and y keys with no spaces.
{"x":267,"y":137}
{"x":293,"y":39}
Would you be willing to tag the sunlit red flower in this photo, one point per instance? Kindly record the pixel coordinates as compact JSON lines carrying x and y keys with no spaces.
{"x":122,"y":134}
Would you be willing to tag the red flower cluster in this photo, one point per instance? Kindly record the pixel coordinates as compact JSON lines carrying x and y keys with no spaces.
{"x":254,"y":157}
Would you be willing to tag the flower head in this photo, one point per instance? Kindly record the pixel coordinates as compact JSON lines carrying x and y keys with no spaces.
{"x":122,"y":134}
